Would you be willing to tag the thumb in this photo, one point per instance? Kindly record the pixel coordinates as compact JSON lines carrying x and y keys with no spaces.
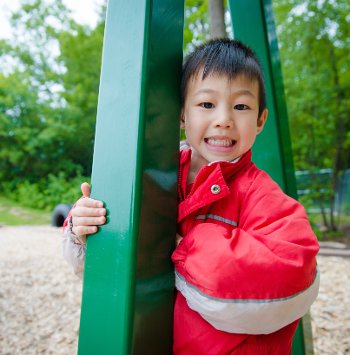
{"x":85,"y":189}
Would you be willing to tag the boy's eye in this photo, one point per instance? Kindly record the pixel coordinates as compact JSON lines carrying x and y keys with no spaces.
{"x":241,"y":107}
{"x":207,"y":105}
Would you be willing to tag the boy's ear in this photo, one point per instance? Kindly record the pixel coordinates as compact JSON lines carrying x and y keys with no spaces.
{"x":261,"y":121}
{"x":182,"y":119}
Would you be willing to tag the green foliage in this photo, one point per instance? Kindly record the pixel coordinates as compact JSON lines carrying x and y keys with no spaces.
{"x":32,"y":134}
{"x":47,"y":193}
{"x":81,"y":56}
{"x":314,"y":44}
{"x":48,"y":97}
{"x":196,"y":27}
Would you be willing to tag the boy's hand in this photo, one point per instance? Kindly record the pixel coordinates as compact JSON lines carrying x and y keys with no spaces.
{"x":87,"y":213}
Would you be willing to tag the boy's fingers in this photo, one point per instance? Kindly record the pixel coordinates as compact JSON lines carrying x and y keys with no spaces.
{"x":85,"y":189}
{"x":88,"y":221}
{"x":81,"y":211}
{"x":84,"y":230}
{"x":89,"y":202}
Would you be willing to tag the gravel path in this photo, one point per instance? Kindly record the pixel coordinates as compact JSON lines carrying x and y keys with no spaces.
{"x":330,"y":314}
{"x":40,"y":297}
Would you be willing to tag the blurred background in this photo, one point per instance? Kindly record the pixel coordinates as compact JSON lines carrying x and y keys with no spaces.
{"x":49,"y":78}
{"x":50,"y":57}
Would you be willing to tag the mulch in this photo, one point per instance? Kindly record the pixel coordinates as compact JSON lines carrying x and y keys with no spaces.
{"x":40,"y":297}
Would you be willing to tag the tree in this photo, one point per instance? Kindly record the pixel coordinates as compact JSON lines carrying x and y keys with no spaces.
{"x":28,"y":117}
{"x":81,"y":54}
{"x":49,"y":90}
{"x":314,"y":44}
{"x":203,"y":22}
{"x":217,"y":18}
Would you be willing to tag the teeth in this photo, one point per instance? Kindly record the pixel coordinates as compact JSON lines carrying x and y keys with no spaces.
{"x":220,"y":142}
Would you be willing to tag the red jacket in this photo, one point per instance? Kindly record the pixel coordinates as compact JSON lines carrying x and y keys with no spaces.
{"x":246,"y":267}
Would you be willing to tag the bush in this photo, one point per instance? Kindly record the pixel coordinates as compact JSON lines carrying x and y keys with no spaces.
{"x":47,"y":193}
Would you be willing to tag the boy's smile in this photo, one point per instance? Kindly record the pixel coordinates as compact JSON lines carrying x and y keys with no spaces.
{"x":220,"y":117}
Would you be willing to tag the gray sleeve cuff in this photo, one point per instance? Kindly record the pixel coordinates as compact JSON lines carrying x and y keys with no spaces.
{"x":74,"y":248}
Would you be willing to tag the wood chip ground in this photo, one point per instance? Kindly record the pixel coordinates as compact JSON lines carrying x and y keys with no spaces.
{"x":40,"y":297}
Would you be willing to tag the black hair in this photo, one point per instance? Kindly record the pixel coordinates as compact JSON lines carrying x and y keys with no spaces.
{"x":224,"y":57}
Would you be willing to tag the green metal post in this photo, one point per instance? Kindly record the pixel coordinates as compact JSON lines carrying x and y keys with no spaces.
{"x":253,"y":23}
{"x":128,"y":281}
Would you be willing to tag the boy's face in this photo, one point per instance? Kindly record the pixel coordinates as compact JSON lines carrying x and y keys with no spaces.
{"x":220,"y":117}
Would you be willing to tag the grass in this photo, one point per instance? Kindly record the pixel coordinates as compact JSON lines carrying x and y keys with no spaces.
{"x":12,"y":214}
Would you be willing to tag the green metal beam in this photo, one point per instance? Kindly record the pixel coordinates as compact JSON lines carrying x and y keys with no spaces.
{"x":128,"y":281}
{"x":253,"y":23}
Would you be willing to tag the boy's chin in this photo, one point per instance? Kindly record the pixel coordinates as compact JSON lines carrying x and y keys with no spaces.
{"x":209,"y":158}
{"x":221,"y":157}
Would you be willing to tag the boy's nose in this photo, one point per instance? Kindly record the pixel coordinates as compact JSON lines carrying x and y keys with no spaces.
{"x":224,"y":119}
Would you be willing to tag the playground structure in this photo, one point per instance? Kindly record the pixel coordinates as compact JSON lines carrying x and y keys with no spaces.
{"x":128,"y":280}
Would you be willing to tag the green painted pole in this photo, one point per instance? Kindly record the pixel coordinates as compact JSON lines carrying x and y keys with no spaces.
{"x":128,"y":281}
{"x":253,"y":23}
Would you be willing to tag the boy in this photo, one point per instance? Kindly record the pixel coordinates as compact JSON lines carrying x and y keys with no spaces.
{"x":245,"y":260}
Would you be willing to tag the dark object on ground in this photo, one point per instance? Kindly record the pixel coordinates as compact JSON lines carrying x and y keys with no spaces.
{"x":59,"y":214}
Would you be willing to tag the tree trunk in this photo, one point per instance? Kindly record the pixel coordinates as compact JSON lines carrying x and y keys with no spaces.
{"x":340,"y":133}
{"x":217,"y":18}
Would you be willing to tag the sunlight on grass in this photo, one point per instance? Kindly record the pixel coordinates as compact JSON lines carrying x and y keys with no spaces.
{"x":12,"y":214}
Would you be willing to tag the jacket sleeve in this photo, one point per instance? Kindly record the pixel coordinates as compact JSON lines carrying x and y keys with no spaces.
{"x":73,"y":249}
{"x":257,"y":278}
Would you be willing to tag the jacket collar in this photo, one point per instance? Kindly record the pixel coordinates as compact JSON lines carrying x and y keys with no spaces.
{"x":210,"y":184}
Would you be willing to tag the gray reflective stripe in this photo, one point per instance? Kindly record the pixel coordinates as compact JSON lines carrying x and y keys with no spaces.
{"x":218,"y":218}
{"x":180,"y":278}
{"x":235,"y":316}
